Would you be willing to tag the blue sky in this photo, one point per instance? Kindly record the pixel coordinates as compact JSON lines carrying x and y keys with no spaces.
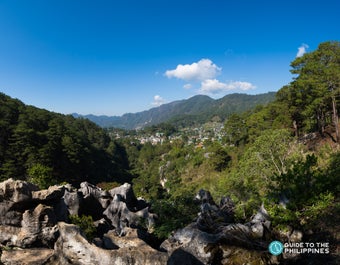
{"x":114,"y":57}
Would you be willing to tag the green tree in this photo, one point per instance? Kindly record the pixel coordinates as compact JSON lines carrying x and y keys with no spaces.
{"x":236,"y":130}
{"x":41,"y":175}
{"x":318,"y":82}
{"x":219,"y":158}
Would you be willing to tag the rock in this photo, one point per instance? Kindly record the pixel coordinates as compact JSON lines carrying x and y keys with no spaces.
{"x":72,"y":201}
{"x":126,"y":193}
{"x":53,"y":193}
{"x":35,"y":256}
{"x":121,"y":217}
{"x":38,"y":227}
{"x":16,"y":190}
{"x":9,"y":235}
{"x":205,"y":197}
{"x":95,"y":200}
{"x":15,"y":197}
{"x":296,"y":236}
{"x":31,"y":218}
{"x":213,"y":238}
{"x":130,"y":239}
{"x":73,"y":248}
{"x":211,"y":214}
{"x":12,"y":218}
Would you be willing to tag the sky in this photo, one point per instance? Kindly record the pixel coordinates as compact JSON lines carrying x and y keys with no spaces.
{"x":114,"y":57}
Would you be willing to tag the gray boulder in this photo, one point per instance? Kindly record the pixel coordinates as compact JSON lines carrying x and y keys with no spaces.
{"x":33,"y":256}
{"x":73,"y":248}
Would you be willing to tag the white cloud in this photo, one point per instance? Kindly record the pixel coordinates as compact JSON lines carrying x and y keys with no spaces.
{"x":213,"y":86}
{"x":302,"y":50}
{"x":201,"y":70}
{"x":157,"y":101}
{"x":187,"y":86}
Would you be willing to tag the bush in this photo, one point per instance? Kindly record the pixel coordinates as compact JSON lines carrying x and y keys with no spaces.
{"x":86,"y":224}
{"x":41,"y":175}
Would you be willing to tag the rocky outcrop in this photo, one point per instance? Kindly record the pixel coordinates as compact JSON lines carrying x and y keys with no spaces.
{"x":73,"y":248}
{"x":31,"y":256}
{"x":215,"y":239}
{"x":35,"y":229}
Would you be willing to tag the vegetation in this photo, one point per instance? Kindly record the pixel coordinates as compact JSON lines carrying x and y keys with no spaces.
{"x":86,"y":225}
{"x":49,"y":148}
{"x":284,"y":154}
{"x":193,"y":111}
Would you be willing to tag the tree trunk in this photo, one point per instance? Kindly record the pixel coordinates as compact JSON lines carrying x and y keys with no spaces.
{"x":296,"y":130}
{"x":335,"y":119}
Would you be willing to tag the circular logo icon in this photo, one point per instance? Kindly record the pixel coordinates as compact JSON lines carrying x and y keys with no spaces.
{"x":275,"y":248}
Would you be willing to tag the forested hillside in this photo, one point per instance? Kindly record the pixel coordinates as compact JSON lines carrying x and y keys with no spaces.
{"x":193,"y":111}
{"x":47,"y":147}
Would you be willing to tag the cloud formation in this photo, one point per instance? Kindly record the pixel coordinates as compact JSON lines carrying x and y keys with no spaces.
{"x":204,"y":72}
{"x":157,"y":101}
{"x":199,"y":71}
{"x":187,"y":86}
{"x":213,"y":86}
{"x":302,"y":50}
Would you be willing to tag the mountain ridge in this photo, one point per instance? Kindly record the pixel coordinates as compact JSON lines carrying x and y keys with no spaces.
{"x":197,"y":109}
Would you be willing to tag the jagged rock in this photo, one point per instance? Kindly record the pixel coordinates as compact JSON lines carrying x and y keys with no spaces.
{"x":208,"y":239}
{"x":38,"y":227}
{"x":72,"y":201}
{"x":23,"y":223}
{"x":204,"y":196}
{"x":39,"y":256}
{"x":9,"y":217}
{"x":95,"y":200}
{"x":102,"y":226}
{"x":121,"y":217}
{"x":130,"y":239}
{"x":29,"y":219}
{"x":9,"y":235}
{"x":126,"y":193}
{"x":73,"y":248}
{"x":15,"y":197}
{"x":16,"y":190}
{"x":53,"y":193}
{"x":211,"y":213}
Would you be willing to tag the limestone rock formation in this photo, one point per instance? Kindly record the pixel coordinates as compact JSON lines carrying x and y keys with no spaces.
{"x":214,"y":239}
{"x":31,"y":256}
{"x":73,"y":248}
{"x":34,"y":229}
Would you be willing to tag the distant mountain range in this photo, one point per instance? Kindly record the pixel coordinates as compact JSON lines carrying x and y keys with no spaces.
{"x":195,"y":110}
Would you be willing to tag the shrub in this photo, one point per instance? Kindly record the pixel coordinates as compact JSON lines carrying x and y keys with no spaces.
{"x":86,"y":224}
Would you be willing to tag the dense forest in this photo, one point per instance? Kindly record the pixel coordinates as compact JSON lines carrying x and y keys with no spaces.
{"x":39,"y":145}
{"x":284,"y":154}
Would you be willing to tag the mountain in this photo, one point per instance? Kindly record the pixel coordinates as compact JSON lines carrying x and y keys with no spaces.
{"x":197,"y":109}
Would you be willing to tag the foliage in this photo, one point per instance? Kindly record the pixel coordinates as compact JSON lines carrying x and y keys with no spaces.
{"x":46,"y":146}
{"x":86,"y":225}
{"x":219,"y":158}
{"x":315,"y":93}
{"x":306,"y":196}
{"x":41,"y":175}
{"x":174,"y":213}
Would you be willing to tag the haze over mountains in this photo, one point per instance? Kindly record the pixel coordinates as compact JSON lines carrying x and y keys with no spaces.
{"x":197,"y":109}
